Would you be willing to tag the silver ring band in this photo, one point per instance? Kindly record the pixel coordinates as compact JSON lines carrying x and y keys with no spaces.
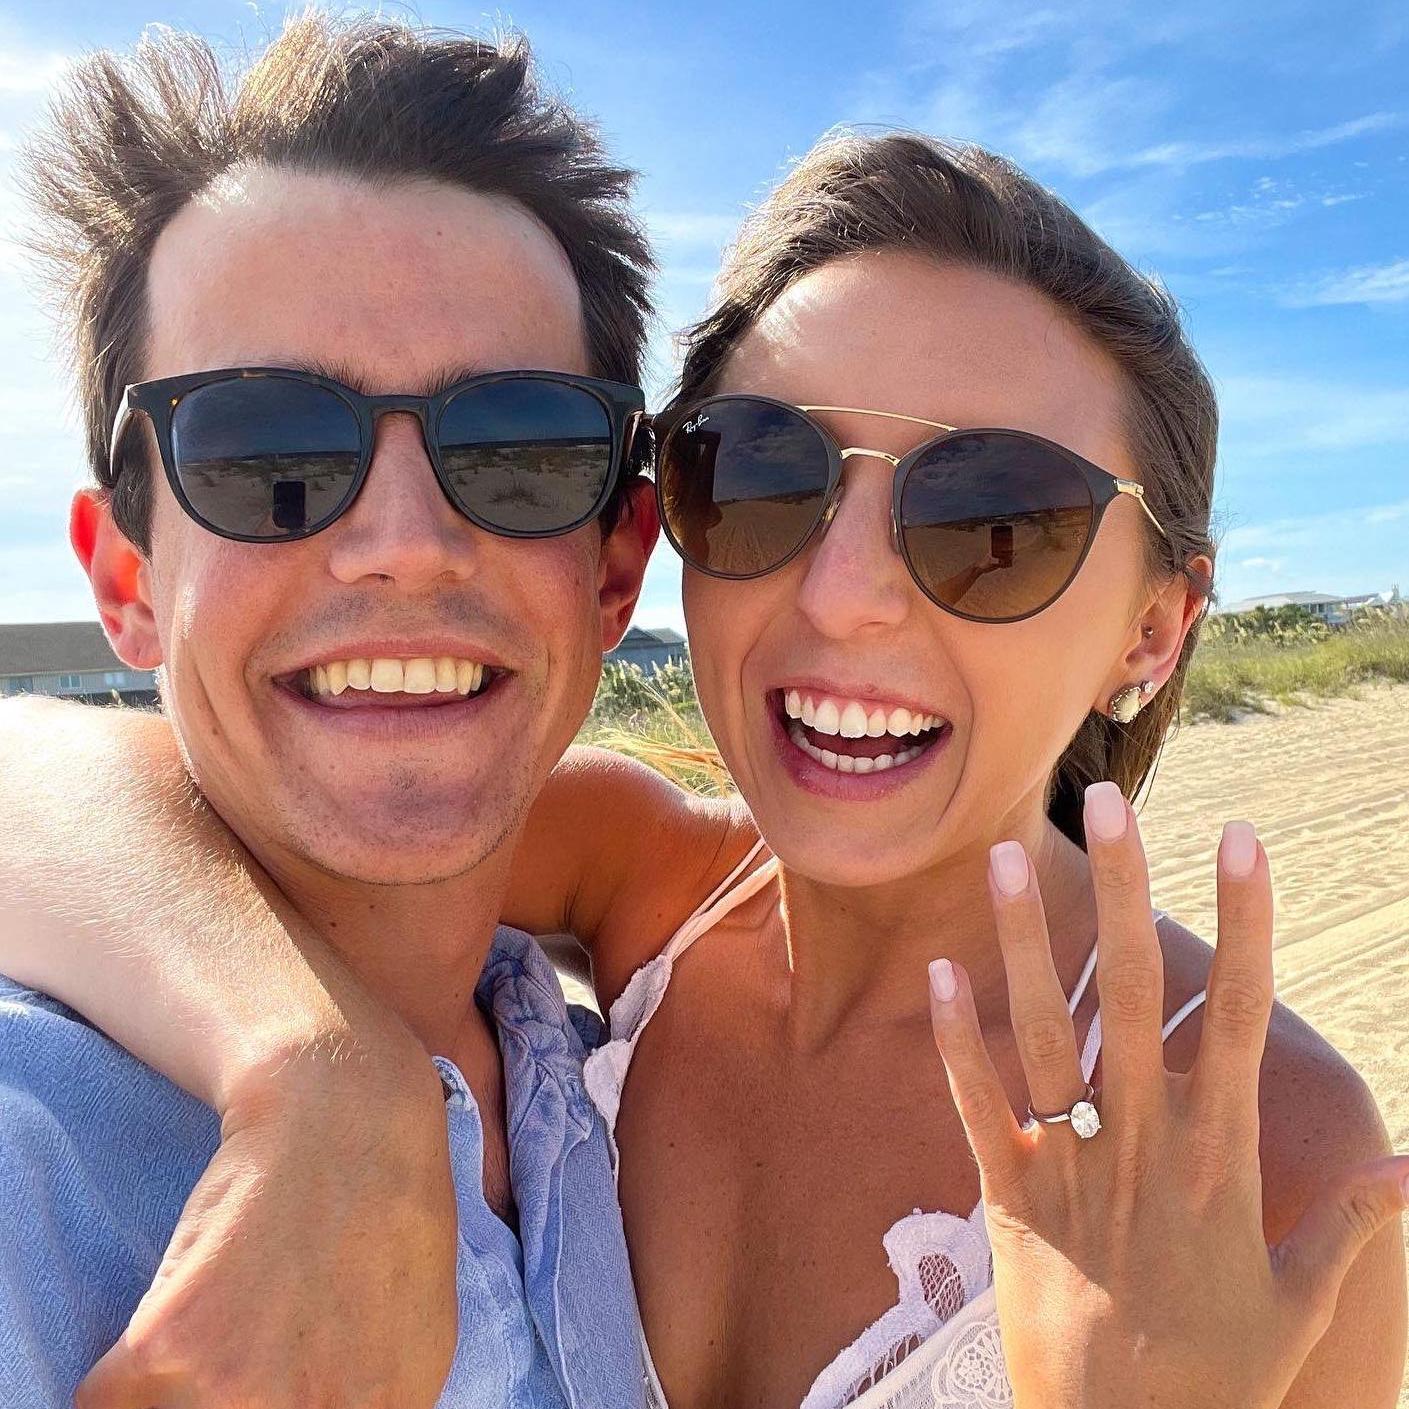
{"x":1083,"y":1116}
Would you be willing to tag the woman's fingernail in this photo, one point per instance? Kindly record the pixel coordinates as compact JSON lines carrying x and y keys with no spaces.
{"x":1237,"y":852}
{"x":942,"y":982}
{"x":1009,"y":863}
{"x":1404,"y":1184}
{"x":1105,"y":811}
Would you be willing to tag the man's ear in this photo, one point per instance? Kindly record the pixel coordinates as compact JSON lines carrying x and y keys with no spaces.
{"x":625,"y":552}
{"x":121,"y":579}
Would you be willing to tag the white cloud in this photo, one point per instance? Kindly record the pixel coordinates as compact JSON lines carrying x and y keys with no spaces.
{"x":1185,"y":154}
{"x":1310,"y":530}
{"x":30,"y":73}
{"x":685,"y":227}
{"x":1344,"y":550}
{"x":1371,"y":283}
{"x":1274,"y":417}
{"x":660,"y":598}
{"x":1388,"y":513}
{"x":44,"y":582}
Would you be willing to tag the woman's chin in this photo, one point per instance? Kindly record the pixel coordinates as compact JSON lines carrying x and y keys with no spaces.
{"x":850,"y":857}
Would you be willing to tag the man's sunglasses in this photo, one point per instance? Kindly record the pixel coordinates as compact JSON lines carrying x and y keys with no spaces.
{"x":993,"y":524}
{"x":268,"y":454}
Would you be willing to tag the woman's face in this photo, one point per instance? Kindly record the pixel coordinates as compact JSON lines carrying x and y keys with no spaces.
{"x":845,"y":622}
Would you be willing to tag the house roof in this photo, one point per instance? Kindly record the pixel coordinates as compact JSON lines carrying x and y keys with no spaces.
{"x":1283,"y":599}
{"x":652,"y":636}
{"x":63,"y":647}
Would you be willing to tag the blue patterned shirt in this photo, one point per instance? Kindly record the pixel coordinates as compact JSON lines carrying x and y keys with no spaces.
{"x":98,"y":1154}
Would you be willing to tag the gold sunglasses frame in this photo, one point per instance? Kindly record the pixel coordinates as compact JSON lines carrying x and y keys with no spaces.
{"x":1132,"y":487}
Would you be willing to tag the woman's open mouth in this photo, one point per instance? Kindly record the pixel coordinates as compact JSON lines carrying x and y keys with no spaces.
{"x":856,"y":736}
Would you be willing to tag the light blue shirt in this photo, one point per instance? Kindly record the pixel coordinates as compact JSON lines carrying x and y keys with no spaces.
{"x":98,"y":1153}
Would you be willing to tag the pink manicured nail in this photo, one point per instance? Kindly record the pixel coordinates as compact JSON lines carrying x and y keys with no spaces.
{"x":1009,"y":863}
{"x":1237,"y":853}
{"x":942,"y":981}
{"x":1404,"y":1184}
{"x":1105,"y":811}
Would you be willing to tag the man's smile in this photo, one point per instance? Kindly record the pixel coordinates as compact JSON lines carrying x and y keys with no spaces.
{"x":361,"y":680}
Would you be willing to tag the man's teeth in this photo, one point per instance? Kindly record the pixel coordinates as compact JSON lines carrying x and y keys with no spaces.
{"x":421,"y":675}
{"x":853,"y":720}
{"x":845,"y":762}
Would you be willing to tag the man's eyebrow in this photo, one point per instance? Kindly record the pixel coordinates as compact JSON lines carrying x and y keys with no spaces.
{"x":353,"y":377}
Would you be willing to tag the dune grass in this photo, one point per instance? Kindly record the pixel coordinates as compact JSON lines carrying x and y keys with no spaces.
{"x":1234,"y":673}
{"x":656,"y":718}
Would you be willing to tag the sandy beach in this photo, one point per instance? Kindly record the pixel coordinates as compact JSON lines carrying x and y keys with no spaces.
{"x":1328,"y":789}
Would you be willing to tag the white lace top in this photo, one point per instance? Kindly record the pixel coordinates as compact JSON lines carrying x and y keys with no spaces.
{"x":938,"y":1347}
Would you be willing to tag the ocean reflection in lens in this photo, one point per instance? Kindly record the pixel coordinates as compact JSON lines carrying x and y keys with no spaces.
{"x":264,"y":457}
{"x":528,"y":456}
{"x":743,"y":484}
{"x":995,"y":523}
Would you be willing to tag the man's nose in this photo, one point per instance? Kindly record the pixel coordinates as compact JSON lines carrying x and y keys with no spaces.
{"x":403,"y":529}
{"x":854,"y":577}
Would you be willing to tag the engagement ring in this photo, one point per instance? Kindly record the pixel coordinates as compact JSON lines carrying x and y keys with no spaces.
{"x":1084,"y":1118}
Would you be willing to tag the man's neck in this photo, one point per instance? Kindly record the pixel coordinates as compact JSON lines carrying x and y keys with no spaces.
{"x":419,"y":949}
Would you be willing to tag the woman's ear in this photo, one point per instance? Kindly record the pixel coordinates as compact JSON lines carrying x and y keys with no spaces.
{"x":1158,"y":634}
{"x":625,"y":552}
{"x":121,"y":579}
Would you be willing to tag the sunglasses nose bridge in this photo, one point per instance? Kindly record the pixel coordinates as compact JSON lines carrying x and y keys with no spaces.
{"x":894,"y":462}
{"x":417,"y":406}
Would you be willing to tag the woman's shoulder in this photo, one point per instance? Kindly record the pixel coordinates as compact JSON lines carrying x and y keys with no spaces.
{"x":1318,"y":1114}
{"x":663,"y":850}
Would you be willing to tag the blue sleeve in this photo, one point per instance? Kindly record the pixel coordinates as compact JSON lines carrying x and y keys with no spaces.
{"x":67,"y":1285}
{"x":97,"y":1156}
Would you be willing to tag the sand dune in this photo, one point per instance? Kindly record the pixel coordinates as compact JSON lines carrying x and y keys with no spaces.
{"x":1328,"y":789}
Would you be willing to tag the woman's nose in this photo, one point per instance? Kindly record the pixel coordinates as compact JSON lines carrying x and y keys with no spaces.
{"x":853,"y":577}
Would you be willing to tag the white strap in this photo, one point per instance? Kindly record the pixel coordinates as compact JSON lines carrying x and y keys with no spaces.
{"x":1080,"y":989}
{"x":727,"y":896}
{"x":1092,"y":1049}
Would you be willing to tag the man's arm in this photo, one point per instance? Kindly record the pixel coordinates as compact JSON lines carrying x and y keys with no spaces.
{"x":127,"y":898}
{"x":130,"y":900}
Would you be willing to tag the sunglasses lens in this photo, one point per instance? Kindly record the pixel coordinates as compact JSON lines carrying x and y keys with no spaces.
{"x":742,"y":484}
{"x":527,"y":456}
{"x":264,"y":457}
{"x":995,"y":523}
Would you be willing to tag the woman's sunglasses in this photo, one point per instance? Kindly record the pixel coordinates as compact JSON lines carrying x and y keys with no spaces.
{"x":992,"y":524}
{"x":268,"y":455}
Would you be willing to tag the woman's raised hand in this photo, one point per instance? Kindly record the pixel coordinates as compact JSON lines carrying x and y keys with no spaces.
{"x":1131,"y":1267}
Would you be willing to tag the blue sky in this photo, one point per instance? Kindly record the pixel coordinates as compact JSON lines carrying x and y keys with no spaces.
{"x":1255,"y":155}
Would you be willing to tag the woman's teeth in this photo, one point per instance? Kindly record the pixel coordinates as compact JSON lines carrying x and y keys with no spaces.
{"x":853,"y":720}
{"x":847,"y":763}
{"x":421,"y":675}
{"x":811,"y":718}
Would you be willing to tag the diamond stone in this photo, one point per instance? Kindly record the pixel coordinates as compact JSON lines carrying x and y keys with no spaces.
{"x":1084,"y":1119}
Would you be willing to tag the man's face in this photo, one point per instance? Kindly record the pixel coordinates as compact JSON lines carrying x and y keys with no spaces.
{"x":394,"y":290}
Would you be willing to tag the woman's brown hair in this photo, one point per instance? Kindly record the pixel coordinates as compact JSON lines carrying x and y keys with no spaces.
{"x":859,"y":194}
